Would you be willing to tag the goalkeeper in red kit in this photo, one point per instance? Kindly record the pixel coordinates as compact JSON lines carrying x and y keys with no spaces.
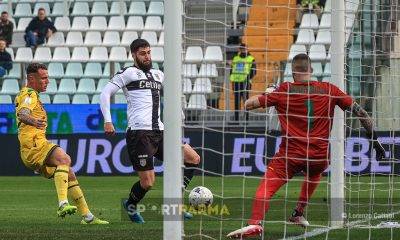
{"x":305,"y":110}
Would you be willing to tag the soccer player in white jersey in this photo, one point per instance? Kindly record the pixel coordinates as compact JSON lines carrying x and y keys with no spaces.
{"x":144,"y":137}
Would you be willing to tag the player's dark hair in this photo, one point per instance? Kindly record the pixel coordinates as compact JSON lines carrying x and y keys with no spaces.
{"x":41,"y":9}
{"x":4,"y":12}
{"x":34,"y":68}
{"x":301,"y":63}
{"x":139,"y":43}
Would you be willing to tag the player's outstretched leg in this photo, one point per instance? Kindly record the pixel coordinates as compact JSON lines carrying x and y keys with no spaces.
{"x":75,"y":192}
{"x":59,"y":159}
{"x":192,"y":160}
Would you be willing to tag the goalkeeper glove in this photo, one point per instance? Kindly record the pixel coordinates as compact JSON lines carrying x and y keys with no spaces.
{"x":380,"y":151}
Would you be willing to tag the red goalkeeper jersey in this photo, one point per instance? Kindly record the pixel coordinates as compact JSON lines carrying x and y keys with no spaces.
{"x":306,"y":111}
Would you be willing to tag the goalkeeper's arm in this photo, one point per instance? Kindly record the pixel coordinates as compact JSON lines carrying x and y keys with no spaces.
{"x":254,"y":101}
{"x":109,"y":90}
{"x":368,"y":124}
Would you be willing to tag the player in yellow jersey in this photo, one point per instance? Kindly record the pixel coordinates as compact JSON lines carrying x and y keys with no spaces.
{"x":42,"y":156}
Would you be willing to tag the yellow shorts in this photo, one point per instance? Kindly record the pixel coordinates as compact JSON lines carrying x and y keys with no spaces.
{"x":34,"y":154}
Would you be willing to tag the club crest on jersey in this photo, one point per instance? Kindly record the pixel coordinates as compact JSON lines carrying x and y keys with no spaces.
{"x":28,"y":100}
{"x":142,"y":162}
{"x":139,"y":74}
{"x":156,"y":76}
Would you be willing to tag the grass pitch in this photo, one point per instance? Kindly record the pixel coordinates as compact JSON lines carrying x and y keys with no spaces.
{"x":28,"y":209}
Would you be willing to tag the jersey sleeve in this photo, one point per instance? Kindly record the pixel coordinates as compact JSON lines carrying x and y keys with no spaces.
{"x":343,"y":100}
{"x":28,"y":100}
{"x":122,"y":77}
{"x":271,"y":99}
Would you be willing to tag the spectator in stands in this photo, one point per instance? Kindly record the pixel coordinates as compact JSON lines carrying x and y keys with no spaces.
{"x":39,"y":29}
{"x":6,"y":28}
{"x":242,"y":71}
{"x":5,"y":58}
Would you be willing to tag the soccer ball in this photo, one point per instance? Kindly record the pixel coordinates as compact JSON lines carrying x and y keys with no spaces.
{"x":200,"y":197}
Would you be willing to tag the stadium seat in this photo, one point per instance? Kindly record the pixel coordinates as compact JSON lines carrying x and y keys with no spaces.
{"x":326,"y":79}
{"x":10,"y":86}
{"x":99,"y":54}
{"x":157,"y":54}
{"x":44,"y":5}
{"x":116,"y":23}
{"x":317,"y":69}
{"x":23,"y":10}
{"x":328,"y":57}
{"x":288,"y":70}
{"x":101,"y":84}
{"x":324,"y":37}
{"x":11,"y":52}
{"x":150,"y":36}
{"x":352,"y":6}
{"x":186,"y":86}
{"x":18,"y":39}
{"x":80,"y":54}
{"x":74,"y":70}
{"x":86,"y":86}
{"x":92,"y":38}
{"x":57,"y":39}
{"x":5,"y":99}
{"x":317,"y":52}
{"x":56,"y":70}
{"x":128,"y":37}
{"x":4,"y":7}
{"x":325,"y":21}
{"x":107,"y":70}
{"x":117,"y":8}
{"x":305,"y":36}
{"x":15,"y":72}
{"x":93,"y":70}
{"x":52,"y":86}
{"x":80,"y":24}
{"x":197,"y":101}
{"x":309,"y":20}
{"x":74,"y":39}
{"x":156,"y":8}
{"x":328,"y":6}
{"x":137,"y":8}
{"x":99,"y":9}
{"x":42,"y":54}
{"x":135,"y":23}
{"x":62,"y":24}
{"x":120,"y":99}
{"x":44,"y":98}
{"x":153,"y":23}
{"x":67,"y":86}
{"x":61,"y":99}
{"x":118,"y":54}
{"x":80,"y":9}
{"x":61,"y":54}
{"x":24,"y":54}
{"x":23,"y":23}
{"x":213,"y":54}
{"x":111,"y":38}
{"x":189,"y":70}
{"x":194,"y":54}
{"x":98,"y":23}
{"x":161,"y":39}
{"x":95,"y":99}
{"x":327,"y":69}
{"x":350,"y":20}
{"x":58,"y":9}
{"x":208,"y":70}
{"x":296,"y":49}
{"x":202,"y":85}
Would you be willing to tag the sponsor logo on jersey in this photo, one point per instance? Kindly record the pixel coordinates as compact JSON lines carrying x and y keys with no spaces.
{"x":145,"y":84}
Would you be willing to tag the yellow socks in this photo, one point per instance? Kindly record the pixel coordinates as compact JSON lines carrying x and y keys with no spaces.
{"x":75,"y":192}
{"x":61,"y":182}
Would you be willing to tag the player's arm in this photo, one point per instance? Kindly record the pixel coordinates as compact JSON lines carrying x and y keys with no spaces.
{"x":109,"y":90}
{"x":252,"y":103}
{"x":368,"y":124}
{"x":258,"y":101}
{"x":24,"y":115}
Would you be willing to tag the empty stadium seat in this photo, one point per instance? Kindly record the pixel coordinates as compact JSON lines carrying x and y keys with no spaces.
{"x":23,"y":23}
{"x":10,"y":86}
{"x":23,"y":10}
{"x":324,"y":36}
{"x":80,"y":9}
{"x":135,"y":23}
{"x":309,"y":20}
{"x":194,"y":54}
{"x":15,"y":72}
{"x":93,"y":70}
{"x":80,"y":54}
{"x":120,"y":99}
{"x":95,"y":99}
{"x":128,"y":37}
{"x":118,"y":8}
{"x":74,"y":39}
{"x":150,"y":36}
{"x":305,"y":36}
{"x":111,"y":38}
{"x":4,"y":7}
{"x":327,"y":69}
{"x":202,"y":85}
{"x":197,"y":101}
{"x":325,"y":21}
{"x":11,"y":52}
{"x":44,"y":5}
{"x":92,"y":38}
{"x":99,"y":9}
{"x":42,"y":54}
{"x":213,"y":54}
{"x":18,"y":39}
{"x":61,"y":99}
{"x":349,"y":20}
{"x":161,"y":39}
{"x":61,"y":54}
{"x":288,"y":70}
{"x":116,"y":23}
{"x":80,"y":24}
{"x":317,"y":52}
{"x":57,"y":39}
{"x":153,"y":23}
{"x":62,"y":24}
{"x":352,"y":5}
{"x":67,"y":86}
{"x":98,"y":23}
{"x":186,"y":86}
{"x":118,"y":54}
{"x":189,"y":70}
{"x":317,"y":69}
{"x":101,"y":84}
{"x":107,"y":70}
{"x":137,"y":8}
{"x":99,"y":54}
{"x":5,"y":99}
{"x":296,"y":49}
{"x":52,"y":86}
{"x":208,"y":70}
{"x":24,"y":54}
{"x":86,"y":86}
{"x":328,"y":6}
{"x":44,"y":98}
{"x":58,"y":9}
{"x":157,"y":54}
{"x":74,"y":70}
{"x":156,"y":8}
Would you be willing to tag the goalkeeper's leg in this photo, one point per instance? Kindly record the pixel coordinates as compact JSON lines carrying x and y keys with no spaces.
{"x":192,"y":160}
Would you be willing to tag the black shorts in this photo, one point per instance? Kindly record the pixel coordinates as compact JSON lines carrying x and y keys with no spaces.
{"x":142,"y":146}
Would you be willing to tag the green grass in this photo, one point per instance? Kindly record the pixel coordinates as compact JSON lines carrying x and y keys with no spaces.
{"x":28,"y":209}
